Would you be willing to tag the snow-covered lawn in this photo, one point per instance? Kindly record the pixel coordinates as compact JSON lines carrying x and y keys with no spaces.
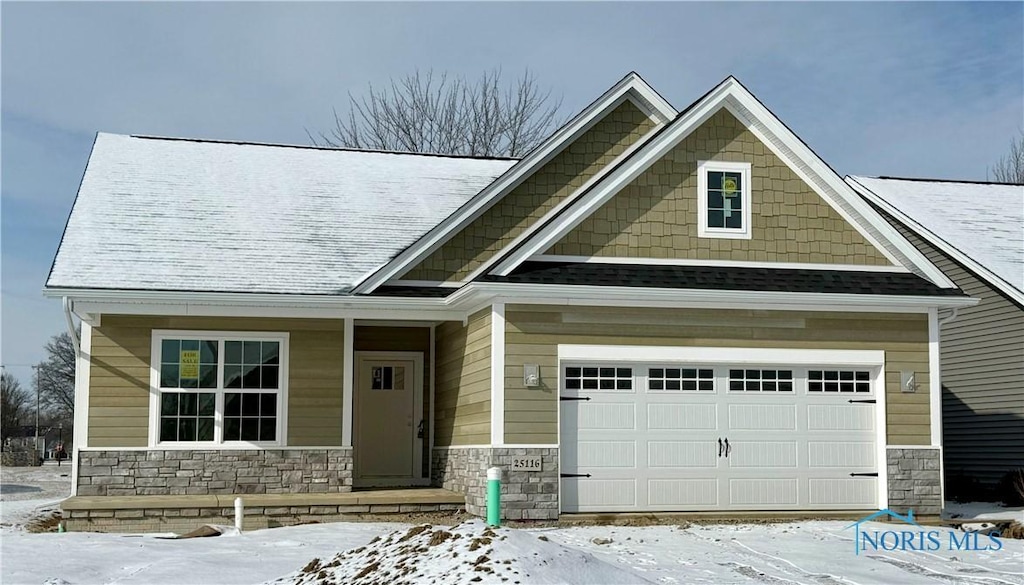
{"x":810,"y":552}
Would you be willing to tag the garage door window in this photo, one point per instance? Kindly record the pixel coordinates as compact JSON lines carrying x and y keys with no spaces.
{"x":761,"y":380}
{"x":599,"y":378}
{"x":838,"y":381}
{"x":681,"y":379}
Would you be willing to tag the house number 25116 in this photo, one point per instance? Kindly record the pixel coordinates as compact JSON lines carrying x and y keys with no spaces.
{"x":526,"y":464}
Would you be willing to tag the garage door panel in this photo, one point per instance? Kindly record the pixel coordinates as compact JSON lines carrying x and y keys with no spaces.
{"x":763,"y":492}
{"x":841,"y":454}
{"x":682,"y":454}
{"x":682,"y":417}
{"x":840,"y":417}
{"x":761,"y":454}
{"x":842,"y":493}
{"x":682,"y":493}
{"x":594,"y":454}
{"x":604,"y":417}
{"x":602,"y":494}
{"x":758,"y":416}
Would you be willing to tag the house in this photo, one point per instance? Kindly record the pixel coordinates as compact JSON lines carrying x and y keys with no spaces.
{"x":654,"y":310}
{"x":974,"y":232}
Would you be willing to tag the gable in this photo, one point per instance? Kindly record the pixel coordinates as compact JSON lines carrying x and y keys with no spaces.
{"x":535,"y":196}
{"x":656,"y":215}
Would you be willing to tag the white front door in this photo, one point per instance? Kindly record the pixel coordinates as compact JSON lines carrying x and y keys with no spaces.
{"x":388,"y":448}
{"x":680,"y":437}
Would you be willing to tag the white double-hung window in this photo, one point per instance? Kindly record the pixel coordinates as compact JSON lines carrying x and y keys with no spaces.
{"x":218,"y":388}
{"x":723,"y":200}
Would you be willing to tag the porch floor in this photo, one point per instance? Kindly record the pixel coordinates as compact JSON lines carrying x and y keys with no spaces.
{"x":381,"y":497}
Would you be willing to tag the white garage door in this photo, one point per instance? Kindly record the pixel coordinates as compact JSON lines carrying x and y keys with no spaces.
{"x":684,"y":436}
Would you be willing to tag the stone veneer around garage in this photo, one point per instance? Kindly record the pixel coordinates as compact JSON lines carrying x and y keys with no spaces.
{"x":915,"y":480}
{"x":210,"y":471}
{"x":525,"y":495}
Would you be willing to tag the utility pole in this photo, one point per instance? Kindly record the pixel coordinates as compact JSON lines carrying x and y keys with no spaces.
{"x":35,"y":446}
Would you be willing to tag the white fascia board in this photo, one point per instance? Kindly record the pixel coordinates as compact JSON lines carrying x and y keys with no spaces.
{"x":564,"y":203}
{"x":470,"y":298}
{"x":631,"y":87}
{"x":714,"y":263}
{"x":721,"y":355}
{"x":945,"y":247}
{"x":745,"y":107}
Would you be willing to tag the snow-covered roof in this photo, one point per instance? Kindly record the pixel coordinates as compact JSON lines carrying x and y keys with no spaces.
{"x":980,"y":224}
{"x":174,"y":214}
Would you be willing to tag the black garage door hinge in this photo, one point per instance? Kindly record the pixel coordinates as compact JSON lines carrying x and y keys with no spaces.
{"x":863,"y":475}
{"x":573,"y":475}
{"x":574,"y":398}
{"x":863,"y":401}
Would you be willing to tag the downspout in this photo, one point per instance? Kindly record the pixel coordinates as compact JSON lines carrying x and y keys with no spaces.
{"x":72,"y":332}
{"x":949,"y":318}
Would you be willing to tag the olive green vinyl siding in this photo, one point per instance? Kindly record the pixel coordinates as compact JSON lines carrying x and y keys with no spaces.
{"x":462,"y":387}
{"x":982,"y":361}
{"x":401,"y":339}
{"x":535,"y":196}
{"x":655,"y":216}
{"x":120,"y":364}
{"x":532,"y":335}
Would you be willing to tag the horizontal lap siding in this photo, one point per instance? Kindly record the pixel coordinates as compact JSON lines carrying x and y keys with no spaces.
{"x":532,"y":335}
{"x":462,"y":384}
{"x":120,"y":364}
{"x":982,"y":357}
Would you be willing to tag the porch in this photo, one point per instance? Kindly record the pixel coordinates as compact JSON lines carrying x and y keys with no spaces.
{"x":182,"y":514}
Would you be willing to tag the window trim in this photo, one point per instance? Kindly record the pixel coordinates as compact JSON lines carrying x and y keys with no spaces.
{"x":155,"y":391}
{"x":705,"y":231}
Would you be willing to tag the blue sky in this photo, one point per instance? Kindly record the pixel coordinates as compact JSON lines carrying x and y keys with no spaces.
{"x":907,"y":89}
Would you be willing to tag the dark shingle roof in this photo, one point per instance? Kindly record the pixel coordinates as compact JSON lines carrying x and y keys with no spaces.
{"x":725,"y":278}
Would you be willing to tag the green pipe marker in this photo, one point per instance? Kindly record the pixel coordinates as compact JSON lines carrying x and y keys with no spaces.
{"x":494,"y":496}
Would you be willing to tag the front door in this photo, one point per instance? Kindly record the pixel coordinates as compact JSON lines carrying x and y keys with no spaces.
{"x":388,"y":408}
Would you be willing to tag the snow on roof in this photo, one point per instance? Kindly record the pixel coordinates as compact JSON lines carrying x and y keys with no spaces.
{"x":983,"y":221}
{"x":173,"y":214}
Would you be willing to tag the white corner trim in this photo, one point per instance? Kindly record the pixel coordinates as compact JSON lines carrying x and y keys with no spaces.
{"x":703,"y":229}
{"x":630,"y":87}
{"x":80,"y":436}
{"x":347,"y":382}
{"x":433,"y":386}
{"x":732,"y":355}
{"x":498,"y":374}
{"x":715,"y":263}
{"x":882,"y":430}
{"x":934,"y":377}
{"x":935,"y":240}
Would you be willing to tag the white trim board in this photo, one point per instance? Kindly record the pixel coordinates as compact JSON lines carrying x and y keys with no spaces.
{"x":348,"y":381}
{"x":714,"y":263}
{"x":732,"y":355}
{"x":83,"y":372}
{"x":631,"y":87}
{"x":730,"y":94}
{"x":498,"y":374}
{"x":935,"y":240}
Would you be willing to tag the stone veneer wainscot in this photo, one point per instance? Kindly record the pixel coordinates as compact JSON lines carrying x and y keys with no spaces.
{"x":915,"y":480}
{"x":525,"y":495}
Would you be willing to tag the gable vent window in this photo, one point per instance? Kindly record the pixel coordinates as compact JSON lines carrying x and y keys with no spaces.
{"x":723,"y":197}
{"x":838,"y":381}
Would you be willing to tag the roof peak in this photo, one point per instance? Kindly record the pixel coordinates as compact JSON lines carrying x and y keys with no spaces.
{"x":310,"y":147}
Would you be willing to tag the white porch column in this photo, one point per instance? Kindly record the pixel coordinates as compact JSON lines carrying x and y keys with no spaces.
{"x":348,"y":380}
{"x":497,"y":374}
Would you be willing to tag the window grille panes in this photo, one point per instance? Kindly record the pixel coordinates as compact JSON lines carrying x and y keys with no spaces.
{"x":851,"y":381}
{"x":598,"y":378}
{"x":187,"y":416}
{"x":251,"y":364}
{"x":188,"y":363}
{"x":681,"y":379}
{"x":250,"y":416}
{"x":761,"y":380}
{"x":387,"y":378}
{"x":725,"y":199}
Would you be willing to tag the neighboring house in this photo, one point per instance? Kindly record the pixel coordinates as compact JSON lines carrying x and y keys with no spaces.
{"x":974,"y":232}
{"x":652,"y":311}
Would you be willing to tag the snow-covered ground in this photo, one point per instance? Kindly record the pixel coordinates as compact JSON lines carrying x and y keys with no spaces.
{"x":31,"y":493}
{"x":810,"y":552}
{"x":982,"y":511}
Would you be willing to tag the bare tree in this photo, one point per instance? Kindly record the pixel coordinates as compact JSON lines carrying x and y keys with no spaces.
{"x":13,"y":405}
{"x":1010,"y":168}
{"x":445,"y":114}
{"x":57,"y":376}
